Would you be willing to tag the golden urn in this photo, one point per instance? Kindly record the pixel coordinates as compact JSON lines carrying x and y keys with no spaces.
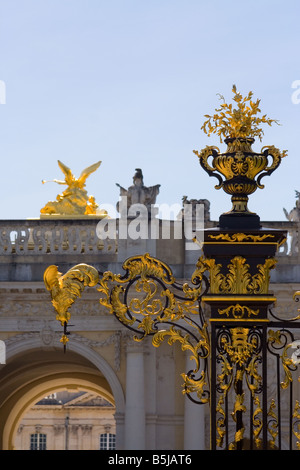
{"x":239,"y":169}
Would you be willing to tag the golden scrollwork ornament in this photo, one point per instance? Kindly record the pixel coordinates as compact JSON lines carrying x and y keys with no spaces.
{"x":146,"y":299}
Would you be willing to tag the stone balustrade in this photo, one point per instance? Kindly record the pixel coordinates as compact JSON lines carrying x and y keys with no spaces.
{"x":60,"y":237}
{"x":27,"y":247}
{"x":41,"y":236}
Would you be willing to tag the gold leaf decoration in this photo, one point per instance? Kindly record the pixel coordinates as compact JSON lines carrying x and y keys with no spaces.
{"x":240,"y":122}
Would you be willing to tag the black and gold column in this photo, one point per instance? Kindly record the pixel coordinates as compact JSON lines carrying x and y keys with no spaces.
{"x":239,"y":256}
{"x":239,"y":266}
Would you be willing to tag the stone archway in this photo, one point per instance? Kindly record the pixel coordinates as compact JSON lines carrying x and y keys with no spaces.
{"x":33,"y":371}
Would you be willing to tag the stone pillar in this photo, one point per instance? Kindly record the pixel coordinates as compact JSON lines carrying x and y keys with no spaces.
{"x":135,"y":422}
{"x":150,"y":392}
{"x":194,"y":426}
{"x":119,"y":419}
{"x":194,"y":421}
{"x":194,"y":218}
{"x":137,"y":236}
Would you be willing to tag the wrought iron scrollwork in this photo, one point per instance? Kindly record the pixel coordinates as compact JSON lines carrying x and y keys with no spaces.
{"x":148,"y":301}
{"x":285,"y":348}
{"x":238,"y":358}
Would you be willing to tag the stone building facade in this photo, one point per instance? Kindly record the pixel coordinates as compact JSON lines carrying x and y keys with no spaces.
{"x":68,"y":421}
{"x":142,"y":383}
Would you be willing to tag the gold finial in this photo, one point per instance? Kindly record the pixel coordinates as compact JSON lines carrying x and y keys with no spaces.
{"x":240,"y":122}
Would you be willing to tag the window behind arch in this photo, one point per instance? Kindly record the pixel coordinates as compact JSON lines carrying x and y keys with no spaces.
{"x":38,"y":441}
{"x":107,"y":441}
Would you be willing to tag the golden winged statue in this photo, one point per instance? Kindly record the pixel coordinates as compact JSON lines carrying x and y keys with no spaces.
{"x":74,"y":200}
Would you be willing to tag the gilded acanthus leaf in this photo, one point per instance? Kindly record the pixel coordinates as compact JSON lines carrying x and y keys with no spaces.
{"x":238,"y":279}
{"x":191,"y":384}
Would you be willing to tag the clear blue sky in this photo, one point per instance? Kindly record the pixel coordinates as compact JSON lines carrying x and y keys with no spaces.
{"x":128,"y":82}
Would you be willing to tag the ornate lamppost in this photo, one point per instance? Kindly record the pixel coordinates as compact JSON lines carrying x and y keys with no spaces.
{"x":228,"y":349}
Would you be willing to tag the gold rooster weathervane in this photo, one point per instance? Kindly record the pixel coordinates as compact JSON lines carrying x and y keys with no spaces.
{"x":65,"y":288}
{"x":74,"y":201}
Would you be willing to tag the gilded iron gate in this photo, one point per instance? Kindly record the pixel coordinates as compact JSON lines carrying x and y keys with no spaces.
{"x":244,"y":368}
{"x":254,"y":375}
{"x":244,"y":358}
